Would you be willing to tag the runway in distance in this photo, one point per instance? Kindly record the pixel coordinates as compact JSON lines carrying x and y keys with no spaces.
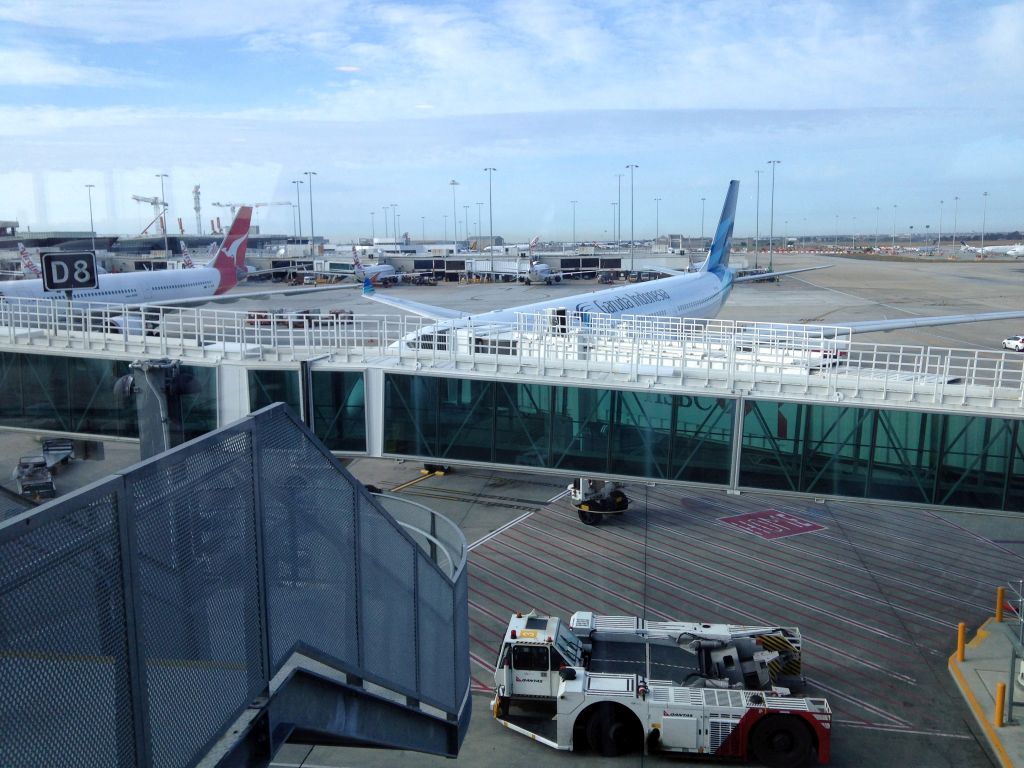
{"x":697,"y":295}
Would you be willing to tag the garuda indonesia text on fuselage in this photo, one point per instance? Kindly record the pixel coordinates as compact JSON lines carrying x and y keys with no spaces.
{"x":698,"y":295}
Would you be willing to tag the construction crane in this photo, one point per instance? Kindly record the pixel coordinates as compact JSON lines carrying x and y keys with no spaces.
{"x":235,"y":206}
{"x":158,"y":212}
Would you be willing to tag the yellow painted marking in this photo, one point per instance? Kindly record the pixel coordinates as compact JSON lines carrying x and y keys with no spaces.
{"x":979,"y":714}
{"x":419,"y":479}
{"x":980,"y":636}
{"x":528,"y":634}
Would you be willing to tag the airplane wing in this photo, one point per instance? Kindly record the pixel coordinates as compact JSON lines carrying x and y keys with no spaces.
{"x":233,"y":296}
{"x":428,"y":311}
{"x":869,"y":326}
{"x":769,"y":275}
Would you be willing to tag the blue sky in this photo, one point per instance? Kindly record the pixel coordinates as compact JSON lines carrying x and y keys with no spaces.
{"x":866,"y":104}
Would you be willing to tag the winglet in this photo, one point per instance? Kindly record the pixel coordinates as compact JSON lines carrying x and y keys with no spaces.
{"x":718,"y":255}
{"x":368,"y":289}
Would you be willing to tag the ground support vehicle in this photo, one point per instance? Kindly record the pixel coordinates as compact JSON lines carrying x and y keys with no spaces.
{"x":594,"y":499}
{"x":34,"y":479}
{"x":58,"y":451}
{"x":618,"y":684}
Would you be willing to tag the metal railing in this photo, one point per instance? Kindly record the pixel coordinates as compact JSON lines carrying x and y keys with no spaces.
{"x":142,"y":615}
{"x":812,"y":362}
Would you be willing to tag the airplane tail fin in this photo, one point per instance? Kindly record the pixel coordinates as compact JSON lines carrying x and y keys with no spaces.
{"x":230,"y":258}
{"x":718,"y":255}
{"x":186,"y":257}
{"x":26,"y":261}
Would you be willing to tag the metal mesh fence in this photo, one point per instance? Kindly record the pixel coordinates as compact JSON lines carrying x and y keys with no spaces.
{"x":139,"y":617}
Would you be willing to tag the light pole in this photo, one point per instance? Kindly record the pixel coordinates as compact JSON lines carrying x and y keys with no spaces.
{"x":853,"y":238}
{"x":455,"y":216}
{"x":373,"y":228}
{"x":939,"y":244}
{"x":613,"y":218}
{"x":294,"y":207}
{"x":298,"y":204}
{"x":398,"y":228}
{"x":466,"y":209}
{"x":384,"y":208}
{"x":394,"y":221}
{"x":310,"y":174}
{"x":984,"y":214}
{"x":702,"y":222}
{"x":956,"y":209}
{"x":163,"y":214}
{"x":573,"y":202}
{"x":618,"y":237}
{"x":490,"y":206}
{"x":911,"y":235}
{"x":92,"y":231}
{"x":771,"y":218}
{"x":757,"y":219}
{"x":835,"y":242}
{"x":479,"y":216}
{"x":632,"y":167}
{"x":877,"y":209}
{"x":894,"y":206}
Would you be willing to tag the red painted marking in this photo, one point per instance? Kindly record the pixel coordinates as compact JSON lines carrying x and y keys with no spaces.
{"x":772,"y":524}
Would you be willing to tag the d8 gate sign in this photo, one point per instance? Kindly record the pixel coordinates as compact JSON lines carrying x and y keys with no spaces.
{"x":68,"y":271}
{"x":772,"y":524}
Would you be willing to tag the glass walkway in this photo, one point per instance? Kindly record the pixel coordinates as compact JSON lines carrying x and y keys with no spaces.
{"x":739,"y":405}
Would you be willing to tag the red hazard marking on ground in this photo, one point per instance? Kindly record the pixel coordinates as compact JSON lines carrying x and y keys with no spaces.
{"x":772,"y":524}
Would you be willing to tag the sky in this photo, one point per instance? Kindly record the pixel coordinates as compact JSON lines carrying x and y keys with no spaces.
{"x":883,"y":115}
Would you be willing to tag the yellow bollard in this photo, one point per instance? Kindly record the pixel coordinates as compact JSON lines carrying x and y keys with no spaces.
{"x":961,"y":639}
{"x":1000,"y":599}
{"x":1000,"y":698}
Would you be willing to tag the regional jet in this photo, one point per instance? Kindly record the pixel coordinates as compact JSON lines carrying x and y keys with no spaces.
{"x":697,"y":295}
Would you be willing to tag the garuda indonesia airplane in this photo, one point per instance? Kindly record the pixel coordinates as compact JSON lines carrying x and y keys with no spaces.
{"x":697,"y":295}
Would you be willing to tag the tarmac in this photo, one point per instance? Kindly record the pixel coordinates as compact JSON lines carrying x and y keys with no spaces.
{"x":987,"y":660}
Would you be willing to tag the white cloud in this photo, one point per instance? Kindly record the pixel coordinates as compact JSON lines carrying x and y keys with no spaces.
{"x":34,"y":67}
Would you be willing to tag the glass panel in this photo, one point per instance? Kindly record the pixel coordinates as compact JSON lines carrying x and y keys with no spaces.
{"x":701,"y":446}
{"x":410,"y":414}
{"x":975,"y":459}
{"x":192,"y":403}
{"x":280,"y":386}
{"x":581,"y":427}
{"x":70,"y":394}
{"x":339,"y":409}
{"x":521,"y":416}
{"x":466,"y":419}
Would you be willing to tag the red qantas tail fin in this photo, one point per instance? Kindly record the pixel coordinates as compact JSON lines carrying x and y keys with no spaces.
{"x":230,"y":258}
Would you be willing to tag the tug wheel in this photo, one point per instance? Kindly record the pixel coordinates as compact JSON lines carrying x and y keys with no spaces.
{"x":782,"y":742}
{"x":589,"y":518}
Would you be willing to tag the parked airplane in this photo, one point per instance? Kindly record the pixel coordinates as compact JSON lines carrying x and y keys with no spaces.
{"x":159,"y":286}
{"x":375,"y":273}
{"x":699,"y":294}
{"x":1003,"y":250}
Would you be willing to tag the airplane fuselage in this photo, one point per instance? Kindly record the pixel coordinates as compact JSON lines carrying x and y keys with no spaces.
{"x":128,"y":287}
{"x":699,"y":295}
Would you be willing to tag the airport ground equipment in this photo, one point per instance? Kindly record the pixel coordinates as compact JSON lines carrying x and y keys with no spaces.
{"x":34,"y":479}
{"x":57,"y":451}
{"x":618,"y":684}
{"x":594,"y":499}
